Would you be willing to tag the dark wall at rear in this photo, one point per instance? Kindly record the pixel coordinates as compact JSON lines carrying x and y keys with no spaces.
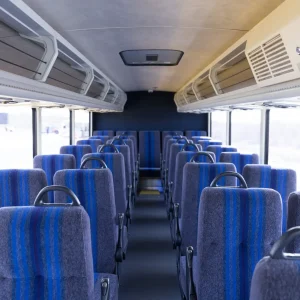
{"x":144,"y":111}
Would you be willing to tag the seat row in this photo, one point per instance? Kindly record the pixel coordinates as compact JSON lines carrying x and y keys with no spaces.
{"x":100,"y":200}
{"x":191,"y":173}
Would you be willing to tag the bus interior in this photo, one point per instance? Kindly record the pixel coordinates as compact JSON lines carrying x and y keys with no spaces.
{"x":149,"y":150}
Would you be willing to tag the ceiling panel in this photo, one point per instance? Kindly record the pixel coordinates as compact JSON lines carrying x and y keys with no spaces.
{"x":201,"y":29}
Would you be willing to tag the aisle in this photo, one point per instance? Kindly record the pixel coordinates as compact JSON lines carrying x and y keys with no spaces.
{"x":149,"y":271}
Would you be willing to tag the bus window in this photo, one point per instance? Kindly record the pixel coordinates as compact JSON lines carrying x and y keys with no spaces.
{"x":245,"y":130}
{"x":55,"y":129}
{"x":219,"y":121}
{"x":82,"y":122}
{"x":284,"y":142}
{"x":16,"y":137}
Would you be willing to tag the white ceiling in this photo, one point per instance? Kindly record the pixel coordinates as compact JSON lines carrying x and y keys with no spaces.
{"x":202,"y":29}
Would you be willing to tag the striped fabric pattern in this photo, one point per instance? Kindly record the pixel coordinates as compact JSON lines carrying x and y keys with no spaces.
{"x":53,"y":163}
{"x":239,"y":160}
{"x":40,"y":251}
{"x":170,"y":133}
{"x":94,"y":189}
{"x":196,"y":177}
{"x":78,"y":151}
{"x":135,"y":144}
{"x":249,"y":223}
{"x":190,"y":133}
{"x":127,"y":133}
{"x":110,"y":133}
{"x":150,"y":149}
{"x":103,"y":138}
{"x":204,"y":144}
{"x":93,"y":143}
{"x":284,"y":181}
{"x":115,"y":162}
{"x":20,"y":187}
{"x":218,"y":149}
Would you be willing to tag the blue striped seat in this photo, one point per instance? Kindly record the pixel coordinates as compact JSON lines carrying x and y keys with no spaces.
{"x":134,"y":141}
{"x":20,"y":187}
{"x":284,"y":181}
{"x":149,"y":145}
{"x":205,"y":143}
{"x":95,"y":191}
{"x":196,"y":177}
{"x":277,"y":276}
{"x":110,"y":133}
{"x":218,"y":149}
{"x":236,"y":228}
{"x":53,"y":163}
{"x":127,"y":133}
{"x":78,"y":151}
{"x":190,"y":133}
{"x":115,"y":162}
{"x":103,"y":138}
{"x":239,"y":160}
{"x":170,"y":133}
{"x":46,"y":254}
{"x":93,"y":143}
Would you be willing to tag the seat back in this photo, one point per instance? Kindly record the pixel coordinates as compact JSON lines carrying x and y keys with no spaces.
{"x":236,"y":228}
{"x":293,"y":220}
{"x":95,"y":190}
{"x":78,"y":151}
{"x":127,"y":133}
{"x":218,"y":149}
{"x":110,"y":133}
{"x":283,"y":181}
{"x":205,"y":143}
{"x":20,"y":187}
{"x":115,"y":162}
{"x":196,"y":177}
{"x":45,"y":253}
{"x":277,"y":275}
{"x":125,"y":151}
{"x":53,"y":163}
{"x":239,"y":160}
{"x":190,"y":133}
{"x":149,"y":145}
{"x":103,"y":138}
{"x":93,"y":143}
{"x":134,"y":140}
{"x":182,"y":159}
{"x":170,"y":133}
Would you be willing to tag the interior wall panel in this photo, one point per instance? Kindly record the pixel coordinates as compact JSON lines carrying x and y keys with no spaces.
{"x":150,"y":111}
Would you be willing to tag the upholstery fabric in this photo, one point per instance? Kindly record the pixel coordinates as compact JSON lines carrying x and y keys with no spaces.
{"x":236,"y":228}
{"x":282,"y":180}
{"x":115,"y":162}
{"x":95,"y":191}
{"x":149,"y":142}
{"x":78,"y":151}
{"x":93,"y":143}
{"x":128,"y":133}
{"x":20,"y":187}
{"x":196,"y":177}
{"x":293,"y":220}
{"x":218,"y":149}
{"x":103,"y":138}
{"x":53,"y":163}
{"x":45,"y":253}
{"x":276,"y":279}
{"x":239,"y":160}
{"x":110,"y":133}
{"x":190,"y":133}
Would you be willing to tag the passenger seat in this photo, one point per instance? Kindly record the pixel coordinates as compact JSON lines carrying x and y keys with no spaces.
{"x":78,"y":151}
{"x":239,"y":160}
{"x":110,"y":133}
{"x":93,"y":143}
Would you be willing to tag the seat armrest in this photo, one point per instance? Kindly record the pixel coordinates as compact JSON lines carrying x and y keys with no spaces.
{"x":190,"y":287}
{"x":119,"y":250}
{"x":128,"y":214}
{"x":105,"y":289}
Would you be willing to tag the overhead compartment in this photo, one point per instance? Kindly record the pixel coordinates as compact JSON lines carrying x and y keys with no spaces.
{"x":264,"y":65}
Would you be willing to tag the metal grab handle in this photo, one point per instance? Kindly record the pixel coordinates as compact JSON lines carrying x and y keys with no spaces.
{"x":230,"y":173}
{"x":108,"y":146}
{"x":277,"y":249}
{"x":101,"y":161}
{"x":119,"y":140}
{"x":210,"y":157}
{"x":56,"y":188}
{"x":190,"y":144}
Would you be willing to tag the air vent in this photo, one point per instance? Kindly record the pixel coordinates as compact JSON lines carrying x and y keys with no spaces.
{"x":270,"y":60}
{"x":152,"y":57}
